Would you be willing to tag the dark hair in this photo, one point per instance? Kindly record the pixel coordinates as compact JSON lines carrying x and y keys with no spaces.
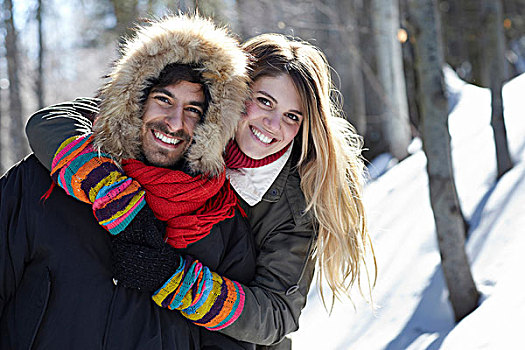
{"x":174,"y":73}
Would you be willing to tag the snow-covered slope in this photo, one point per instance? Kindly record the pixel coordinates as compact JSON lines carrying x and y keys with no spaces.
{"x":412,"y":309}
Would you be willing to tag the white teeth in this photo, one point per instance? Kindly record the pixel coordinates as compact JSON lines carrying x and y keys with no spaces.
{"x":165,"y":138}
{"x":261,"y":137}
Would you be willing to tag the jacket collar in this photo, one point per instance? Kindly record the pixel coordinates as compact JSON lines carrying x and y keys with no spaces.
{"x":255,"y":184}
{"x":276,"y":190}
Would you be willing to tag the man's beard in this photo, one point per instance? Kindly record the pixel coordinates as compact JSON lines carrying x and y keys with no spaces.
{"x":157,"y":156}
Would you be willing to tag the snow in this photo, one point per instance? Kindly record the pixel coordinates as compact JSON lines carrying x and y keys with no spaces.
{"x":412,"y":310}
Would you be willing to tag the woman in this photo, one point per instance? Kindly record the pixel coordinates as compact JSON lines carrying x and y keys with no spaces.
{"x":295,"y":165}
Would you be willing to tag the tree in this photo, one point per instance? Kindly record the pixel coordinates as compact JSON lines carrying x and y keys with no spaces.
{"x":2,"y":167}
{"x":342,"y":49}
{"x":385,"y":17}
{"x":494,"y":76}
{"x":461,"y":33}
{"x":17,"y":144}
{"x":125,"y":13}
{"x":350,"y":10}
{"x":424,"y":27}
{"x":40,"y":73}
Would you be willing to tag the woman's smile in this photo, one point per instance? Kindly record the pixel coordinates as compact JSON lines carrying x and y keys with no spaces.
{"x":273,"y":117}
{"x":260,"y":136}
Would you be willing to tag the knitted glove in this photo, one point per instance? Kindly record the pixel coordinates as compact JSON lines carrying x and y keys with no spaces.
{"x":93,"y":177}
{"x":202,"y":296}
{"x":141,"y":258}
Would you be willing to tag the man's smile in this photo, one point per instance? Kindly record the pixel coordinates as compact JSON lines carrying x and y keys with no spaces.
{"x":165,"y":139}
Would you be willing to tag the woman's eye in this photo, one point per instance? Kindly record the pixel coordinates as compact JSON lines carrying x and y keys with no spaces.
{"x":293,"y":117}
{"x":264,"y":101}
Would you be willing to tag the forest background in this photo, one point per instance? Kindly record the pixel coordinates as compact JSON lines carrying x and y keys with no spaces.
{"x":55,"y":50}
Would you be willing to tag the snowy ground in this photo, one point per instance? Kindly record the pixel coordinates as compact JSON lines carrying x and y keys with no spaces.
{"x":413,"y":311}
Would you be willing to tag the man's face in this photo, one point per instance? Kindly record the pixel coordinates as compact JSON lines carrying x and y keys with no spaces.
{"x":170,"y":116}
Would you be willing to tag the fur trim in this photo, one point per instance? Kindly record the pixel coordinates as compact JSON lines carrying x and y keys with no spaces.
{"x":175,"y":39}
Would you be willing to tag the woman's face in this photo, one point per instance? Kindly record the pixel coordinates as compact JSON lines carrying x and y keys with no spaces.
{"x":273,"y":117}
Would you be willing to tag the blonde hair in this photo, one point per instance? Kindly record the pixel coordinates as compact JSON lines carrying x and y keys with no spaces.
{"x":330,"y":166}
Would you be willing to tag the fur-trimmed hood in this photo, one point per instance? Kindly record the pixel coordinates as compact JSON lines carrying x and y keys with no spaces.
{"x":175,"y":39}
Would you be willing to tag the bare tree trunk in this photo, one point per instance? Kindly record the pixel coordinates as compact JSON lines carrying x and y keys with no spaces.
{"x":240,"y":27}
{"x":338,"y":37}
{"x":17,"y":138}
{"x":125,"y":13}
{"x":149,"y":7}
{"x":385,"y":16}
{"x":425,"y":29}
{"x":454,"y":48}
{"x":354,"y":84}
{"x":40,"y":73}
{"x":249,"y":25}
{"x":2,"y":168}
{"x":494,"y":73}
{"x":470,"y":31}
{"x":410,"y":73}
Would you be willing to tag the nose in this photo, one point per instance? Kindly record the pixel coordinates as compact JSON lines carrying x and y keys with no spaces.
{"x":175,"y":120}
{"x":272,"y":121}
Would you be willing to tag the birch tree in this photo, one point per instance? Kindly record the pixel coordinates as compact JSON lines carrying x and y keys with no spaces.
{"x":125,"y":13}
{"x":395,"y":119}
{"x":494,"y":75}
{"x":2,"y":168}
{"x":424,"y":28}
{"x":345,"y":56}
{"x":17,"y":139}
{"x":350,"y":10}
{"x":40,"y":70}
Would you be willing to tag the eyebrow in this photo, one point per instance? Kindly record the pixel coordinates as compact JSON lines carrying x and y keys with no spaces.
{"x":166,"y":92}
{"x":275,"y":101}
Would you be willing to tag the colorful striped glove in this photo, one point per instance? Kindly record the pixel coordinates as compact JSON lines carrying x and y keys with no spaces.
{"x":142,"y":260}
{"x":93,"y":177}
{"x":202,"y":296}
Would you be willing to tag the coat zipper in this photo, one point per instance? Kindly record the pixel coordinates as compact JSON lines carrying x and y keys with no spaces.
{"x":41,"y":316}
{"x":109,"y":318}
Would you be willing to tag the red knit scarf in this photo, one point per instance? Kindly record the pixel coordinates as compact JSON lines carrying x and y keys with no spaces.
{"x":235,"y":158}
{"x":190,"y":206}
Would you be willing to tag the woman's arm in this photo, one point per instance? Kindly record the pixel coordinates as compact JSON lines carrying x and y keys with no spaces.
{"x":276,"y":297}
{"x":60,"y":138}
{"x":285,"y":236}
{"x":50,"y":126}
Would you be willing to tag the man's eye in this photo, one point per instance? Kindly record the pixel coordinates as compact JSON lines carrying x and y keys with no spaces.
{"x":195,"y":111}
{"x":162,"y":99}
{"x":264,"y":101}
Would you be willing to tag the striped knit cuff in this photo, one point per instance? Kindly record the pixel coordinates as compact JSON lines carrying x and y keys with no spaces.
{"x":202,"y":296}
{"x":93,"y":177}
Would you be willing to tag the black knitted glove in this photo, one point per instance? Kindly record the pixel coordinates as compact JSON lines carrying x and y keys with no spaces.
{"x":141,"y":258}
{"x":145,"y":229}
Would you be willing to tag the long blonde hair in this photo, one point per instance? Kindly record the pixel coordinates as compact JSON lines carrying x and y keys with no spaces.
{"x":330,"y":166}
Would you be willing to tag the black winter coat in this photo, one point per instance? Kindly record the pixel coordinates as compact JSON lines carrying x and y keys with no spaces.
{"x":56,"y":289}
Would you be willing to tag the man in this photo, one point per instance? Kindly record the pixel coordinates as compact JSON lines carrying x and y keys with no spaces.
{"x":170,"y":106}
